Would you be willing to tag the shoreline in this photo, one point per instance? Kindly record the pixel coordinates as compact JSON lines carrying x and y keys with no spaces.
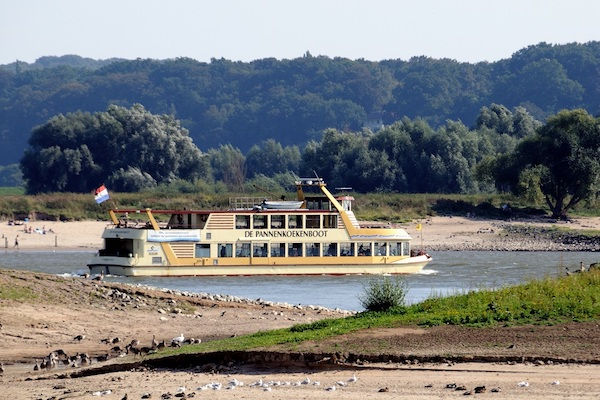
{"x":438,"y":234}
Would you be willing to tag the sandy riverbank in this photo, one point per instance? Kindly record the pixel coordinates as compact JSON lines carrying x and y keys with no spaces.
{"x":40,"y":313}
{"x":438,"y":233}
{"x":47,"y":312}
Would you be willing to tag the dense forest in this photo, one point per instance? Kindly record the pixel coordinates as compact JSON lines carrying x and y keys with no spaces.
{"x":294,"y":101}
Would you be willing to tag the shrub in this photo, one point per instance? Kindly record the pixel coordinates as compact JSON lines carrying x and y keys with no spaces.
{"x":383,"y":294}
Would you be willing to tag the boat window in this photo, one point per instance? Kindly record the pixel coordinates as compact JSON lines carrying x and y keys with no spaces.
{"x":277,"y":249}
{"x":202,"y":250}
{"x":380,"y":249}
{"x":318,"y":204}
{"x":259,"y":221}
{"x":330,"y":249}
{"x":405,"y":248}
{"x":177,"y":221}
{"x":242,"y":222}
{"x":242,"y":249}
{"x":294,"y":249}
{"x":259,"y":249}
{"x":199,"y":221}
{"x":117,"y":248}
{"x":313,"y":221}
{"x":225,"y":250}
{"x":277,"y":221}
{"x":295,"y":222}
{"x":347,"y":249}
{"x":364,"y":248}
{"x":313,"y":249}
{"x":395,"y":248}
{"x":330,"y":221}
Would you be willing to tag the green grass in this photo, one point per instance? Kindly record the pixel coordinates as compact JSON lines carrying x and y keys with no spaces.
{"x":392,"y":207}
{"x":11,"y":190}
{"x":546,"y":301}
{"x":17,"y":293}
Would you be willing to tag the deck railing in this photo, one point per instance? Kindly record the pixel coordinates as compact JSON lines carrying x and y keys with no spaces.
{"x":242,"y":203}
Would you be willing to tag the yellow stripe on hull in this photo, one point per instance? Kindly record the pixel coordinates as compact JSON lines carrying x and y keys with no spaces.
{"x":406,"y":266}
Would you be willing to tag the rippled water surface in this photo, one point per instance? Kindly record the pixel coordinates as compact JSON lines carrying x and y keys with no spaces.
{"x":449,"y":272}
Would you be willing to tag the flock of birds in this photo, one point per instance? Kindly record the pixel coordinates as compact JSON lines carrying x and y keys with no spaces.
{"x":60,"y":357}
{"x":267,"y":386}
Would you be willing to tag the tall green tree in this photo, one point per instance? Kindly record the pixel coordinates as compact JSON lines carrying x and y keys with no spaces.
{"x":79,"y":151}
{"x":565,"y":156}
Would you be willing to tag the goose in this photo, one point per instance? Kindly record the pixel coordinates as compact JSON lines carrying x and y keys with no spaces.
{"x":154,"y":342}
{"x":1,"y":368}
{"x":117,"y":349}
{"x":79,"y":338}
{"x":161,"y":345}
{"x":353,"y":379}
{"x":85,"y":359}
{"x":134,"y":342}
{"x":36,"y":367}
{"x":131,"y":349}
{"x":178,"y":339}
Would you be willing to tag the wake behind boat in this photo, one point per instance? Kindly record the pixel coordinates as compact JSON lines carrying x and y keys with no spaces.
{"x":317,"y":234}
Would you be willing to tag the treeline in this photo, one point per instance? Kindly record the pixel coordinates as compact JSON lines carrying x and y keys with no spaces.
{"x":132,"y":149}
{"x":293,"y":101}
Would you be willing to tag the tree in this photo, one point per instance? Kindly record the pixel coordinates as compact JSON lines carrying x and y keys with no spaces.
{"x":565,"y":154}
{"x":228,"y":165}
{"x":79,"y":151}
{"x":271,"y":157}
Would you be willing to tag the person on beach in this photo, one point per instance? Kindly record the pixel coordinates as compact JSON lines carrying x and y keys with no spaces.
{"x":17,"y":241}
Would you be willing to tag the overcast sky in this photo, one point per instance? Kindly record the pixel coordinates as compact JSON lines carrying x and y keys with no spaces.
{"x":469,"y":30}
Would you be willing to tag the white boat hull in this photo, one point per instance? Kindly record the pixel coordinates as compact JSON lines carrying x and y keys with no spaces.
{"x":108,"y":265}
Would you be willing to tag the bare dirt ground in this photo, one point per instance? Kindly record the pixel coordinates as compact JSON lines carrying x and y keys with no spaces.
{"x":397,"y":382}
{"x":56,"y":310}
{"x":463,"y":233}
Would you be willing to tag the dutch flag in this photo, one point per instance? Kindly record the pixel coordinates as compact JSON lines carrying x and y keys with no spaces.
{"x":101,"y":194}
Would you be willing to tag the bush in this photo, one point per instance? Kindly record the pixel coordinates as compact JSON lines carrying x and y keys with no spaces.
{"x":383,"y":294}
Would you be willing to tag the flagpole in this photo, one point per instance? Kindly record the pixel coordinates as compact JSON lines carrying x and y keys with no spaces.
{"x":421,"y":230}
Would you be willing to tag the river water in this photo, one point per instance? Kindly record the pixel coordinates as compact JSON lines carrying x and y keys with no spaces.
{"x":450,"y":272}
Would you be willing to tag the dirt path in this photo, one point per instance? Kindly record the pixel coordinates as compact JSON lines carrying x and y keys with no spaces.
{"x":401,"y":382}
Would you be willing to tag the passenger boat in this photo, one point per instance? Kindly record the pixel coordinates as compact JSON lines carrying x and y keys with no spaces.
{"x":318,"y":234}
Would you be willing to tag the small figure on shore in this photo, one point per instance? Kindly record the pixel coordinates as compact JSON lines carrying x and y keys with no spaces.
{"x":17,"y":242}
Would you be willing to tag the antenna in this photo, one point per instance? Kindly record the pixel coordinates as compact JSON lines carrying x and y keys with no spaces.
{"x":320,"y":180}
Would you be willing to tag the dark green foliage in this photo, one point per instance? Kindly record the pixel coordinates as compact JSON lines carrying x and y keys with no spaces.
{"x":129,"y":149}
{"x":563,"y":158}
{"x":270,"y":158}
{"x":11,"y":175}
{"x":383,"y":294}
{"x":292,"y":101}
{"x":407,"y":156}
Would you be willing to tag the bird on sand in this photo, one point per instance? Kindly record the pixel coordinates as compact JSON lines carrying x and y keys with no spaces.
{"x":179,"y":339}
